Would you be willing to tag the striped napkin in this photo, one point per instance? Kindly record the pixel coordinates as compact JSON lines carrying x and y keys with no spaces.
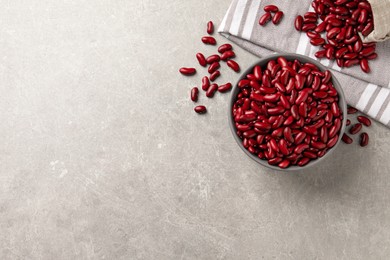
{"x":370,"y":93}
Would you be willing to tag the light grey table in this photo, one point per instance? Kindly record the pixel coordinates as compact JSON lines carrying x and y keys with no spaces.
{"x":102,"y":157}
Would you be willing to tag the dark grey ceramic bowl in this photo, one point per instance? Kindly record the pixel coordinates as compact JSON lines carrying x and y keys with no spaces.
{"x":263,"y":62}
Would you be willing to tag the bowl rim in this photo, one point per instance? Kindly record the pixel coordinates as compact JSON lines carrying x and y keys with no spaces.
{"x":289,"y":57}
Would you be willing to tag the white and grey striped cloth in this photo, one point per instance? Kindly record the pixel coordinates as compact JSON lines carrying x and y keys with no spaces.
{"x":370,"y":93}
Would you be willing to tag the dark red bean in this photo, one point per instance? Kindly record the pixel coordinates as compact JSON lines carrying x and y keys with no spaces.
{"x":213,"y":58}
{"x":187,"y":71}
{"x":233,"y":65}
{"x":308,"y":27}
{"x":201,"y":59}
{"x":209,"y":40}
{"x":211,"y":91}
{"x":205,"y":83}
{"x":225,"y":47}
{"x":350,"y":63}
{"x":194,"y":94}
{"x":332,"y":141}
{"x":200,"y":109}
{"x":265,"y":18}
{"x":351,"y":110}
{"x":225,"y":87}
{"x":346,"y":139}
{"x":317,"y":41}
{"x":277,"y":17}
{"x":275,"y":160}
{"x":364,"y":120}
{"x":298,"y":23}
{"x":364,"y":65}
{"x":215,"y":75}
{"x":243,"y":83}
{"x":271,"y":8}
{"x":303,"y":161}
{"x":364,"y":139}
{"x":355,"y":128}
{"x":213,"y":67}
{"x":227,"y":55}
{"x":284,"y":164}
{"x":210,"y":27}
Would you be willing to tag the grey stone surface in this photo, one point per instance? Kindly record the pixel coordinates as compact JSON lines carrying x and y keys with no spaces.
{"x":102,"y":157}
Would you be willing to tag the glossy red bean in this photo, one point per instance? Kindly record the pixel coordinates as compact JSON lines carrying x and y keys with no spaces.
{"x":209,"y":40}
{"x":332,"y":141}
{"x":265,"y":18}
{"x":298,"y":23}
{"x":284,"y":164}
{"x":351,"y":110}
{"x":225,"y":47}
{"x":213,"y":58}
{"x":346,"y":139}
{"x":233,"y":65}
{"x":364,"y":65}
{"x":277,"y":17}
{"x":271,"y":8}
{"x":355,"y":128}
{"x":227,"y":55}
{"x":211,"y":90}
{"x":225,"y":87}
{"x":187,"y":71}
{"x":364,"y":120}
{"x":201,"y":59}
{"x":200,"y":109}
{"x":213,"y":67}
{"x":364,"y":139}
{"x":205,"y":83}
{"x":275,"y":160}
{"x":215,"y":75}
{"x":210,"y":27}
{"x":194,"y":94}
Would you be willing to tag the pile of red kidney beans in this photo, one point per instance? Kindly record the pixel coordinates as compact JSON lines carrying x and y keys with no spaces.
{"x":340,"y":22}
{"x":287,"y":112}
{"x":212,"y":62}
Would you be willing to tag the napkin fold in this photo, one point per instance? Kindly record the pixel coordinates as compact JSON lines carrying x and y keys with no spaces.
{"x":369,"y":93}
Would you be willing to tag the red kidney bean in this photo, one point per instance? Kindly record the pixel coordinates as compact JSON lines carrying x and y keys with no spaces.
{"x":275,"y":160}
{"x":201,"y":59}
{"x":355,"y":128}
{"x":364,"y":120}
{"x":364,"y":139}
{"x":351,"y":110}
{"x":284,"y":164}
{"x":317,"y":41}
{"x":187,"y":71}
{"x":277,"y":17}
{"x":209,"y":40}
{"x":194,"y":94}
{"x":350,"y":63}
{"x":271,"y":8}
{"x":298,"y":23}
{"x":225,"y":47}
{"x":233,"y":65}
{"x":200,"y":109}
{"x":213,"y":67}
{"x":205,"y":83}
{"x":364,"y":65}
{"x":243,"y":83}
{"x":225,"y":87}
{"x":213,"y":58}
{"x":346,"y":139}
{"x":308,"y":26}
{"x":215,"y":75}
{"x":211,"y":90}
{"x":303,"y":161}
{"x":265,"y":18}
{"x":210,"y":27}
{"x":332,"y":141}
{"x":227,"y":55}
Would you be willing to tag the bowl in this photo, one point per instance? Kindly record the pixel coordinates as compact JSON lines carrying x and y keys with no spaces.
{"x":262,"y":63}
